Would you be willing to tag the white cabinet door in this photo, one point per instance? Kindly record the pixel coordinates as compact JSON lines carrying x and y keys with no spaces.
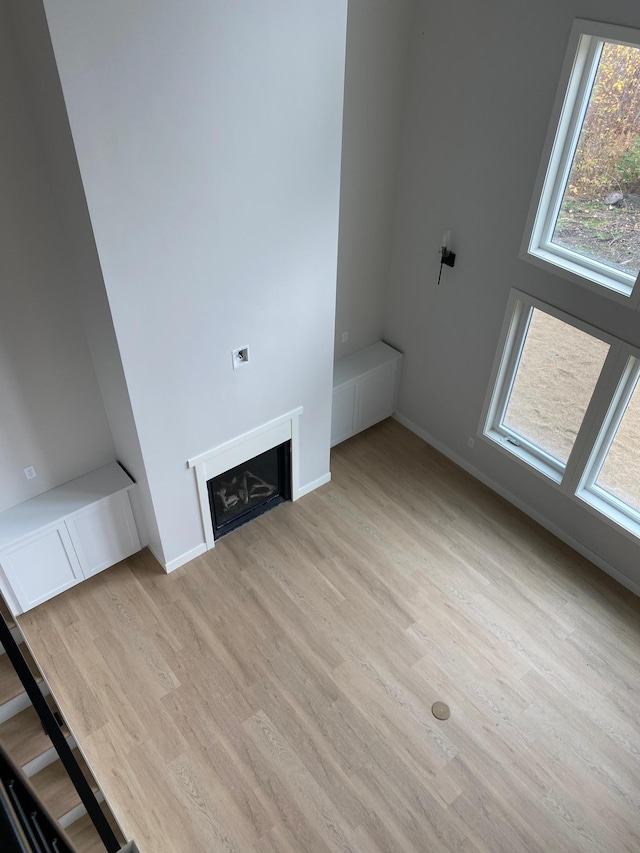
{"x":364,"y":389}
{"x":377,"y":396}
{"x":104,"y":533}
{"x":41,"y":566}
{"x":342,"y":415}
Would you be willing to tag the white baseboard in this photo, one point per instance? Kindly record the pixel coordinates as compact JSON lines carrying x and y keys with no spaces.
{"x":521,"y":505}
{"x":174,"y":564}
{"x":310,"y":487}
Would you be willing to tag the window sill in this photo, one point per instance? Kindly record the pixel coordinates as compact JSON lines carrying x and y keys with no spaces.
{"x":594,"y":280}
{"x":534,"y":460}
{"x":613,"y":511}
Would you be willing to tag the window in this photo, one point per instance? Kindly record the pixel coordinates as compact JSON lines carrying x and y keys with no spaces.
{"x":564,"y":396}
{"x":549,"y":371}
{"x":565,"y":400}
{"x":585,"y":218}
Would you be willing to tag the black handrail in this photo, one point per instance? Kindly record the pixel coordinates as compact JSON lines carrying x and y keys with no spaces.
{"x":58,"y":739}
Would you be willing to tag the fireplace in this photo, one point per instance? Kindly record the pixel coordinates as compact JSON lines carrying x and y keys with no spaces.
{"x":226,"y":458}
{"x":250,"y":489}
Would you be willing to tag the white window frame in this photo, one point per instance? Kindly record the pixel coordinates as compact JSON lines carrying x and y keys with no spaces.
{"x":585,"y":46}
{"x":492,"y":428}
{"x":588,"y":492}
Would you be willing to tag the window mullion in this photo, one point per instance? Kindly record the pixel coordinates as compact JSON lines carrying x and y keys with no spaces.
{"x":588,"y":434}
{"x":610,"y":420}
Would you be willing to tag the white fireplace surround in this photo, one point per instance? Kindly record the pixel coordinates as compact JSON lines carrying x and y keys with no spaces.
{"x":241,"y":449}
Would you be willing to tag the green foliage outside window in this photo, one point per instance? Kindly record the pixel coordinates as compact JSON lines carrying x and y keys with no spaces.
{"x":608,"y":154}
{"x":627,"y":168}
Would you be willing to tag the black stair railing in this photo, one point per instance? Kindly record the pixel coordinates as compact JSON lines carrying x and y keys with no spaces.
{"x":25,"y":824}
{"x":59,"y":743}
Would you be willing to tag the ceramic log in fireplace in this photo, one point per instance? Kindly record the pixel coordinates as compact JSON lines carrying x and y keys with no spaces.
{"x":249,"y":489}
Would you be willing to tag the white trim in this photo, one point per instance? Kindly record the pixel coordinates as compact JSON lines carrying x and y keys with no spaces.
{"x":43,"y":760}
{"x":611,"y":510}
{"x":505,"y":356}
{"x":14,"y":706}
{"x":247,"y":436}
{"x":300,"y":492}
{"x":295,"y":455}
{"x":174,"y":564}
{"x":177,"y":562}
{"x":607,"y":568}
{"x":239,"y":450}
{"x":313,"y":485}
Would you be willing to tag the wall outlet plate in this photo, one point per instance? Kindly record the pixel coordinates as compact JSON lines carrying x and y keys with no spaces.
{"x":345,"y":337}
{"x":240,"y":357}
{"x":30,"y":473}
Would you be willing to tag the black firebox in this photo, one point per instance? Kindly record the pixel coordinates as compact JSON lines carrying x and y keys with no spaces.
{"x":250,"y":489}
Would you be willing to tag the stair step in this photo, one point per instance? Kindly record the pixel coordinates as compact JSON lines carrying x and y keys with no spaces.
{"x":10,"y":684}
{"x":55,"y":789}
{"x":84,"y":836}
{"x":23,"y":736}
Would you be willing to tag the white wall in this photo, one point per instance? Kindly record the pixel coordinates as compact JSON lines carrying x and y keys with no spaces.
{"x":375,"y":82}
{"x":483,"y":81}
{"x":208,"y":140}
{"x":51,"y":413}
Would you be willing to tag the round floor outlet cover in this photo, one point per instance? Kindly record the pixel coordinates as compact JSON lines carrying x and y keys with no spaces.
{"x":440,"y":711}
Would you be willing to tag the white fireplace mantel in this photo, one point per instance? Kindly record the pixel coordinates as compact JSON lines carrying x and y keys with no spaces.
{"x":241,"y":449}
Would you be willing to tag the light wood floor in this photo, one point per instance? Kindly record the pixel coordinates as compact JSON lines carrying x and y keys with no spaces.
{"x":275,"y":694}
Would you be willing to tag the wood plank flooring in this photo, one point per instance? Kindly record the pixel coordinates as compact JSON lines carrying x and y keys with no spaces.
{"x":274,"y":695}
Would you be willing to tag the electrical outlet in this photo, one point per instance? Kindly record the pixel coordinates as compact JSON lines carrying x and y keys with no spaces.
{"x":30,"y":473}
{"x":240,"y":357}
{"x":471,"y":441}
{"x":345,"y":337}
